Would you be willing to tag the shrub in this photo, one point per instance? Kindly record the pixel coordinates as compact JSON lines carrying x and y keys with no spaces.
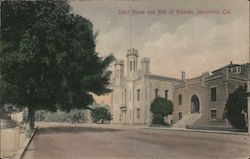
{"x":161,"y":108}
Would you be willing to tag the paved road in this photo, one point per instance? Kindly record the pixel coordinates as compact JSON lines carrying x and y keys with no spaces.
{"x":87,"y":142}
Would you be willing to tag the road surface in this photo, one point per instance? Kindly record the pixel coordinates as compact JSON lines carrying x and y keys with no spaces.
{"x":109,"y":142}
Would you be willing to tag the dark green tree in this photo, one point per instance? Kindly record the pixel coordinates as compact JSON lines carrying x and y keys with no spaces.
{"x":160,"y":108}
{"x":236,"y":106}
{"x":48,"y":59}
{"x":101,"y":113}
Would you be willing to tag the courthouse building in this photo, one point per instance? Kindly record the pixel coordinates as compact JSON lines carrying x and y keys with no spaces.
{"x":199,"y":101}
{"x":132,"y":94}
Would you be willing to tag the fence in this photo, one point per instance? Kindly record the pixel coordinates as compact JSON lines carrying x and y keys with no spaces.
{"x":11,"y":136}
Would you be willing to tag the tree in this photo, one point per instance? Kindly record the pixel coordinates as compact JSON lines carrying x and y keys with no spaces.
{"x":48,"y":59}
{"x":101,"y":114}
{"x":160,"y":108}
{"x":236,"y":106}
{"x":74,"y":116}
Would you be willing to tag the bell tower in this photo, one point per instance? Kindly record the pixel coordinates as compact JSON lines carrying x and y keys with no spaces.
{"x":132,"y":58}
{"x":145,"y":66}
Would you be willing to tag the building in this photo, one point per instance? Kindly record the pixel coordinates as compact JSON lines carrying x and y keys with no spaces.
{"x":200,"y":101}
{"x":132,"y":94}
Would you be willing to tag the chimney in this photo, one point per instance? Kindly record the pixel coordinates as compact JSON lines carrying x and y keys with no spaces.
{"x":183,"y":76}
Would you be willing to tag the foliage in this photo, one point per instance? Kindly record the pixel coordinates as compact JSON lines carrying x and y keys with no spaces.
{"x":48,"y":59}
{"x":158,"y":119}
{"x":160,"y":108}
{"x":73,"y":116}
{"x":101,"y":114}
{"x":236,"y":104}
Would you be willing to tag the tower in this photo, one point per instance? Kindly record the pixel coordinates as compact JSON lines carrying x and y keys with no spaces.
{"x":145,"y":66}
{"x":132,"y":57}
{"x":117,"y":93}
{"x":119,"y":72}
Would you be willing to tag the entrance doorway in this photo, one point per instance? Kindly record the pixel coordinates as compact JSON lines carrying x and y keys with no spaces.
{"x":195,"y":104}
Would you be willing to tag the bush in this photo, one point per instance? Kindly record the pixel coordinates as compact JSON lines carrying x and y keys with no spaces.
{"x":235,"y":106}
{"x":74,"y":116}
{"x":161,"y":108}
{"x":101,"y":114}
{"x":158,"y":119}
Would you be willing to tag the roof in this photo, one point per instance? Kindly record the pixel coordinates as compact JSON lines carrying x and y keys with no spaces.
{"x":165,"y":78}
{"x":227,"y":66}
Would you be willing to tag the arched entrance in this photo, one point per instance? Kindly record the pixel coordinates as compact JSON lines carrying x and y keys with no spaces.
{"x":195,"y":104}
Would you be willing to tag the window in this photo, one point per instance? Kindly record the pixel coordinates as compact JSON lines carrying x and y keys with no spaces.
{"x":156,"y":93}
{"x":138,"y":94}
{"x":130,"y":65}
{"x":213,"y":94}
{"x":180,"y":115}
{"x":234,"y":69}
{"x":239,"y":69}
{"x":125,"y":94}
{"x":180,"y":99}
{"x":134,"y":65}
{"x":166,"y":94}
{"x":213,"y":114}
{"x":138,"y":113}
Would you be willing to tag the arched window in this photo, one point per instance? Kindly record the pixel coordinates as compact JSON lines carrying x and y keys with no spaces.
{"x":130,"y":65}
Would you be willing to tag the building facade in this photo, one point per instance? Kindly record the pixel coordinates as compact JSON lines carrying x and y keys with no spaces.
{"x":132,"y":94}
{"x":198,"y":101}
{"x":201,"y":101}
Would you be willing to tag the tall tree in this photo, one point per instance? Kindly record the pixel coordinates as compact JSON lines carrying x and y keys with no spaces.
{"x":236,"y":108}
{"x":48,"y":59}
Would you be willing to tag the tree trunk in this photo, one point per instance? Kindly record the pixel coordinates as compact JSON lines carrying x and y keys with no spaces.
{"x":31,"y":118}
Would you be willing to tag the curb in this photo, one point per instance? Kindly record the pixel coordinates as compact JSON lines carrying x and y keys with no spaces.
{"x":201,"y":131}
{"x":20,"y":153}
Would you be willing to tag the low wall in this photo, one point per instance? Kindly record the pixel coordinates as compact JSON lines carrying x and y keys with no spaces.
{"x":11,"y":140}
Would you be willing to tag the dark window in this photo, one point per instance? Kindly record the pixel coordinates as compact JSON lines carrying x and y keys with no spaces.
{"x":138,"y":94}
{"x":234,"y":69}
{"x":156,"y":93}
{"x":180,"y":99}
{"x":166,"y":94}
{"x":213,"y":114}
{"x":134,"y":65}
{"x":213,"y":94}
{"x":180,"y":115}
{"x":130,"y":65}
{"x":138,"y":113}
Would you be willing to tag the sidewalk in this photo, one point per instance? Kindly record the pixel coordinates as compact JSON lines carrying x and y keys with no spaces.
{"x":20,"y":153}
{"x":48,"y":124}
{"x":196,"y":130}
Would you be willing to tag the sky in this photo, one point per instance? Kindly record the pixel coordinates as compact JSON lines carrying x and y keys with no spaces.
{"x":172,"y":33}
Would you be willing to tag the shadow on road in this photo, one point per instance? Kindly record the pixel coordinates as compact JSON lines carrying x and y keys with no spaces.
{"x":73,"y":130}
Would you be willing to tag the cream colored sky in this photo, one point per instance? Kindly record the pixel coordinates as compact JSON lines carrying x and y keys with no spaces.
{"x":173,"y":42}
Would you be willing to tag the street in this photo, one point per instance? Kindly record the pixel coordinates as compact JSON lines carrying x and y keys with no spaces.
{"x":117,"y":142}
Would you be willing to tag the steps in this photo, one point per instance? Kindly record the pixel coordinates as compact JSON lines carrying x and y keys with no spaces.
{"x":188,"y":119}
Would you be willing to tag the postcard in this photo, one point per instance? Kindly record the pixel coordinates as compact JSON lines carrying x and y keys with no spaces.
{"x":125,"y":79}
